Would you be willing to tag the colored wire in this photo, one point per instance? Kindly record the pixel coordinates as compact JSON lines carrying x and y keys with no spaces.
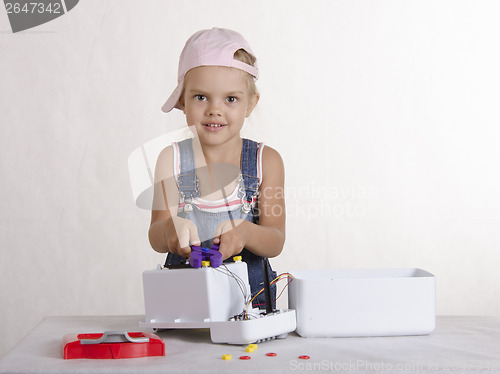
{"x":274,"y":281}
{"x":245,"y":315}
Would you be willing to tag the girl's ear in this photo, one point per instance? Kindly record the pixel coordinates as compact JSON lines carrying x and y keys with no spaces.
{"x":252,"y":102}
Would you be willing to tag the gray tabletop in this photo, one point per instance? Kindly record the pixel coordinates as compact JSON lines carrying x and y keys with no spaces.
{"x":459,"y":344}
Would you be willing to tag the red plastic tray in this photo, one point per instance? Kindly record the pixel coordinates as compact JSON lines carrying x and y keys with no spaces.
{"x":74,"y":349}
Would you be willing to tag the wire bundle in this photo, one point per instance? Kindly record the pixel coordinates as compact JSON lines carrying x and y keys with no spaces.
{"x":239,"y":281}
{"x":288,"y":276}
{"x":245,"y":314}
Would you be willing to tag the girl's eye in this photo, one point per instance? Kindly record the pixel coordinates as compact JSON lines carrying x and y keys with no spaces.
{"x":231,"y":99}
{"x":200,"y":97}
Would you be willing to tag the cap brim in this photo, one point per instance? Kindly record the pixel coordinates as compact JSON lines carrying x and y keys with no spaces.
{"x":173,"y":100}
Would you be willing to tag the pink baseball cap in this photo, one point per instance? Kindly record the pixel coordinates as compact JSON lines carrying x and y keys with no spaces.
{"x":214,"y":47}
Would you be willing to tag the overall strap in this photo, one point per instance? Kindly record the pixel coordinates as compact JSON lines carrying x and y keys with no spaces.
{"x":187,"y":181}
{"x":249,"y":175}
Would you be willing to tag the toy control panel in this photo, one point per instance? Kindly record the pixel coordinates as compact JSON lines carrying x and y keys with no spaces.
{"x":201,"y":254}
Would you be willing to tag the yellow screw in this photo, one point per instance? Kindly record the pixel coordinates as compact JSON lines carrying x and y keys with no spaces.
{"x":226,"y":357}
{"x":205,"y":264}
{"x":237,"y":258}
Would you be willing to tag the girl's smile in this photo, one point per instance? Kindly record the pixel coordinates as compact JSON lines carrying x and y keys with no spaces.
{"x":214,"y":126}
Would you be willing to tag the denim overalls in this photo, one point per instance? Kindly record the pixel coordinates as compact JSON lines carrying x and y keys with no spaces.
{"x":206,"y":222}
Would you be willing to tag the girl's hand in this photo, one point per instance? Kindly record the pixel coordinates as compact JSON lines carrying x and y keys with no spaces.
{"x":231,"y":237}
{"x":179,"y":233}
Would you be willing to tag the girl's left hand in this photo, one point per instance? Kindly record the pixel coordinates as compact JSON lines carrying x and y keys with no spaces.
{"x":231,"y":237}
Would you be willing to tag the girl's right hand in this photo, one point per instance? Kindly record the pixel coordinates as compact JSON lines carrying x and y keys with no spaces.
{"x":179,"y":234}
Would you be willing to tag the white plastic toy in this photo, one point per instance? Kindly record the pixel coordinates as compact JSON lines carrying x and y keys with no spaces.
{"x":211,"y":297}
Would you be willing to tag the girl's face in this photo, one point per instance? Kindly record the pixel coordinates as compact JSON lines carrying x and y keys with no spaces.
{"x":216,"y":101}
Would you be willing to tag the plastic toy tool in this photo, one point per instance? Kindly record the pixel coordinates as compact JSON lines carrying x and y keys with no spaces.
{"x":200,"y":254}
{"x":112,"y":345}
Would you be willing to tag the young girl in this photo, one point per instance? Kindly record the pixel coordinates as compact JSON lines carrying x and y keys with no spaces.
{"x":206,"y":187}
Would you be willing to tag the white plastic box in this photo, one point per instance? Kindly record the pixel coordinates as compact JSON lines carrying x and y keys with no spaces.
{"x":191,"y":298}
{"x":363,"y":302}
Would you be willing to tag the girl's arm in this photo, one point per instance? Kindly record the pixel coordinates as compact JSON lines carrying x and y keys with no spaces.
{"x":167,"y":232}
{"x":267,"y":238}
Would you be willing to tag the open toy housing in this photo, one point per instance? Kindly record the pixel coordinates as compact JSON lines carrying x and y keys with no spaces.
{"x":213,"y":298}
{"x":363,"y":302}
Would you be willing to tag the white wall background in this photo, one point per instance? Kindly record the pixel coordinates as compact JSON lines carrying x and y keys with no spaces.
{"x":385,"y":112}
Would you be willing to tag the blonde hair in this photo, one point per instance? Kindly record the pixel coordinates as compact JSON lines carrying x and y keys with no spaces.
{"x":247,"y":58}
